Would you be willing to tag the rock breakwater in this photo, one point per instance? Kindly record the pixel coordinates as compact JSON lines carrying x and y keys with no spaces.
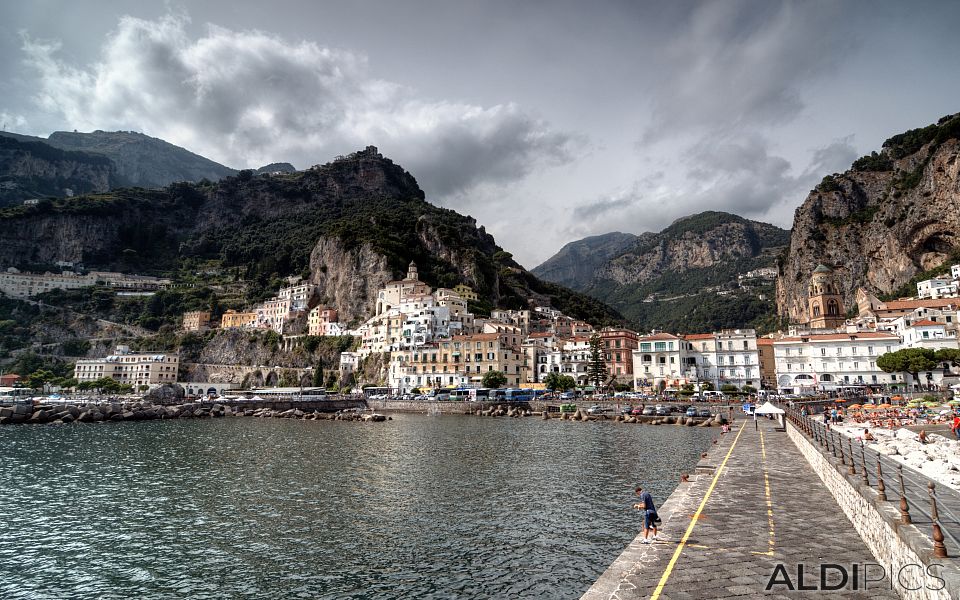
{"x":61,"y":414}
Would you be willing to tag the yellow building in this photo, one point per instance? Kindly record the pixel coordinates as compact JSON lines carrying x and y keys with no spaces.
{"x":466,"y":292}
{"x":233,"y":319}
{"x":196,"y":320}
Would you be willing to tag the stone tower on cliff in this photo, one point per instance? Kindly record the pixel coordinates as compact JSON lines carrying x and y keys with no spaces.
{"x":825,"y":302}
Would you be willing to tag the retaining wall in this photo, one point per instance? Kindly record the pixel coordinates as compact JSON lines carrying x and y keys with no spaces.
{"x":894,"y":544}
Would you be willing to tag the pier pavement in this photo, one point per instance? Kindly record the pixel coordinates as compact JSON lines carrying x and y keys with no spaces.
{"x":754,"y":504}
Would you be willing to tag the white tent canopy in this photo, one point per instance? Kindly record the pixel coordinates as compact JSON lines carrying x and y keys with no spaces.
{"x":768,"y":409}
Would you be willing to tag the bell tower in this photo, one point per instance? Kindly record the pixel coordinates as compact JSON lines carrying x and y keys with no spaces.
{"x":825,"y":303}
{"x":412,"y":274}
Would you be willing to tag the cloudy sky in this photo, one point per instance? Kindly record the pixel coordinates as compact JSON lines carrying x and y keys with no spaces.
{"x":547,"y":121}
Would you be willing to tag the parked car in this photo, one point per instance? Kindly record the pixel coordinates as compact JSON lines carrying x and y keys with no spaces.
{"x":626,"y":410}
{"x":596,"y":409}
{"x":704,"y":412}
{"x":637,"y":411}
{"x":649,"y":411}
{"x":663,"y":411}
{"x":692,"y":411}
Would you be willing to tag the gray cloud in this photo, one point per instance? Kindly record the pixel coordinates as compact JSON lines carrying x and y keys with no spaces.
{"x":247,"y":98}
{"x":737,"y":63}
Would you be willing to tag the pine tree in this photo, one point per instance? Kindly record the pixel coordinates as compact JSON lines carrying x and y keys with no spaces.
{"x":597,"y":366}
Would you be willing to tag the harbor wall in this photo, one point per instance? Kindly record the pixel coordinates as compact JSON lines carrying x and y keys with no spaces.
{"x":895,"y":545}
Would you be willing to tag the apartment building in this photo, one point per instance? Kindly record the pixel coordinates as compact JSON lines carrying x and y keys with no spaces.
{"x":128,"y":367}
{"x":618,"y":345}
{"x":810,"y":363}
{"x":235,"y":320}
{"x":196,"y":320}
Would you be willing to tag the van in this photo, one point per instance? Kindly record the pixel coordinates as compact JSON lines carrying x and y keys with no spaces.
{"x":713,"y":395}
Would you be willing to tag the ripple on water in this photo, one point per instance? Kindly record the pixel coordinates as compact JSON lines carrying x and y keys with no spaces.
{"x":421,"y":507}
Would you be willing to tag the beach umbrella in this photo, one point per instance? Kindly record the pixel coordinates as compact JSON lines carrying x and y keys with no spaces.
{"x":954,"y":402}
{"x":898,"y":398}
{"x":853,"y":406}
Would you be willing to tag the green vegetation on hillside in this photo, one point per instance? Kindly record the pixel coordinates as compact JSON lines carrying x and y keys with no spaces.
{"x":165,"y":307}
{"x":873,"y":162}
{"x":909,"y":142}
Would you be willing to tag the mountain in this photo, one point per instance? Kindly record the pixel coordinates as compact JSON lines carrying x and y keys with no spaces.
{"x":575,"y":264}
{"x":142,"y":160}
{"x":686,"y":277}
{"x":33,"y":169}
{"x":350,"y":225}
{"x":275,"y":168}
{"x":892,"y":217}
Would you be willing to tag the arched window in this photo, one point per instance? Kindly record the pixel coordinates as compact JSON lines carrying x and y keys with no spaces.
{"x":816,"y":310}
{"x":833,"y":308}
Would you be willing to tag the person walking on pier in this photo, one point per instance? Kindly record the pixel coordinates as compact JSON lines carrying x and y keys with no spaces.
{"x":649,"y":510}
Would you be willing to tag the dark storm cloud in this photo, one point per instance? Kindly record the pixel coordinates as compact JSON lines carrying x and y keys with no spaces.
{"x":247,"y":98}
{"x":743,"y":63}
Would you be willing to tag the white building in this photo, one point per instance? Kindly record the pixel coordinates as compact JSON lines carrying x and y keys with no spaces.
{"x":133,"y":368}
{"x":17,"y":284}
{"x":658,"y":361}
{"x":297,"y":295}
{"x":812,"y":363}
{"x":937,"y":288}
{"x":273,"y":313}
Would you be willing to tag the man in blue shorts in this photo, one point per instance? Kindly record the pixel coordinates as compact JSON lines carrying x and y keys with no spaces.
{"x":649,"y":510}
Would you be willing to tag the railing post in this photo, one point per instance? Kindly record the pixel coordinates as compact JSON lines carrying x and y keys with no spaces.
{"x":939,"y":550}
{"x":904,"y":507}
{"x":833,"y":443}
{"x":863,"y":463}
{"x":853,"y":460}
{"x":843,"y":460}
{"x":881,"y":488}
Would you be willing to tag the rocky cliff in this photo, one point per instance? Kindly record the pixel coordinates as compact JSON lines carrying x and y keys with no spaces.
{"x":348,"y":278}
{"x":577,"y":262}
{"x":892,"y":215}
{"x":31,"y":169}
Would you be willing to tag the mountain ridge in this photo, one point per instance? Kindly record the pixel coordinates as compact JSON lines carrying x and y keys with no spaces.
{"x":262,"y":228}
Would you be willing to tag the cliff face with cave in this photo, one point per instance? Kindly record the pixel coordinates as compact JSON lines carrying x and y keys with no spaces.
{"x":893,"y":215}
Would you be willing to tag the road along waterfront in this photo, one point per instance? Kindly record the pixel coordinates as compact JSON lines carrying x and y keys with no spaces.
{"x":419,"y":506}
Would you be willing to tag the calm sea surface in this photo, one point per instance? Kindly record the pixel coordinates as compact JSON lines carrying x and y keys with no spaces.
{"x":417,"y":507}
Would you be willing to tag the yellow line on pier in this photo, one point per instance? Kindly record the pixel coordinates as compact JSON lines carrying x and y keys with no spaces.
{"x":693,"y":521}
{"x":766,"y":489}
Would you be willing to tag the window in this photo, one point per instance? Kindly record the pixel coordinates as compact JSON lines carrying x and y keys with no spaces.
{"x":870,"y":350}
{"x":645,"y":347}
{"x":823,"y":351}
{"x":660,"y":346}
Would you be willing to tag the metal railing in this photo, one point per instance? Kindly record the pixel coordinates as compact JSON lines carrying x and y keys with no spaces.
{"x":920,"y":501}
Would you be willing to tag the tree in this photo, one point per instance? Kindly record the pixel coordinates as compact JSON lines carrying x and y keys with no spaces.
{"x":493,"y":379}
{"x":728,"y":388}
{"x":38,"y":379}
{"x":706,"y":386}
{"x":596,"y":365}
{"x":908,"y":360}
{"x":557,"y":382}
{"x":567,"y":383}
{"x":749,"y":389}
{"x":318,"y":375}
{"x":949,"y":355}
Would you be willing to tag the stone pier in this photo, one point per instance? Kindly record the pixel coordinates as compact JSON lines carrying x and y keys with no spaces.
{"x":756,"y":520}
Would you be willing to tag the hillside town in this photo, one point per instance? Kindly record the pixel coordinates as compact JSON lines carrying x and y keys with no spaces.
{"x":430,"y":340}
